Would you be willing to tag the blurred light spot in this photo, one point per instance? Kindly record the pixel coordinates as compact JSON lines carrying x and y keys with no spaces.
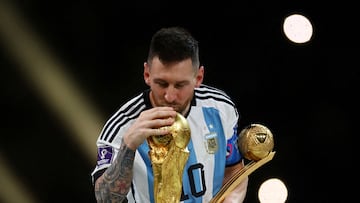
{"x":272,"y":190}
{"x":298,"y":28}
{"x":48,"y":77}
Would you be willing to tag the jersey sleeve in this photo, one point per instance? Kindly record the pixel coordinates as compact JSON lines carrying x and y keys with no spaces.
{"x":233,"y":154}
{"x":105,"y":155}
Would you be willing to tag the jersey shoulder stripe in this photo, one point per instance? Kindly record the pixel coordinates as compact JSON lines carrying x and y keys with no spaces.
{"x":130,"y":110}
{"x":207,"y":92}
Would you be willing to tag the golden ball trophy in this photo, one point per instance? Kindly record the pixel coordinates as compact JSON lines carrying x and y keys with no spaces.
{"x":256,"y":143}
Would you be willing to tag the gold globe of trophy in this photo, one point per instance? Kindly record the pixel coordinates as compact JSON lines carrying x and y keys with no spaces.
{"x":168,"y":155}
{"x":256,"y":143}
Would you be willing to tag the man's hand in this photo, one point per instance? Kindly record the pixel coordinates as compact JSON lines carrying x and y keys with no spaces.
{"x":149,"y":123}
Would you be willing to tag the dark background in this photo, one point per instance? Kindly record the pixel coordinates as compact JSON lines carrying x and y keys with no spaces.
{"x":306,"y":94}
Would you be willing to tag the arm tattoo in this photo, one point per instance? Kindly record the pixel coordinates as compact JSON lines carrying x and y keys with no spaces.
{"x":115,"y":183}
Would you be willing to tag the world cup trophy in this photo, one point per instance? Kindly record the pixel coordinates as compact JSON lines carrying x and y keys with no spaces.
{"x":168,"y":155}
{"x":256,"y":143}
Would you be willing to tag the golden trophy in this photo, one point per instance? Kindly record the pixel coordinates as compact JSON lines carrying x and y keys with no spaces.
{"x":256,"y":143}
{"x":168,"y":155}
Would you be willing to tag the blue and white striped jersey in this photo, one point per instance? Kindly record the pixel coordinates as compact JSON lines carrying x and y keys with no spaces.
{"x":213,"y":120}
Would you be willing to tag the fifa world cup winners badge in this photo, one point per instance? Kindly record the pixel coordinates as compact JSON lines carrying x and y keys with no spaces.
{"x":211,"y":142}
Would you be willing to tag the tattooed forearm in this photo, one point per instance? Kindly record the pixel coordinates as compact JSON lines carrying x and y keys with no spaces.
{"x":115,"y":183}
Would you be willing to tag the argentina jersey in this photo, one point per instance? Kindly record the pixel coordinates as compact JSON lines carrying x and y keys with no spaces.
{"x":213,"y":120}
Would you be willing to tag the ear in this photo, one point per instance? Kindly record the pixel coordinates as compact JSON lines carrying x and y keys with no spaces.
{"x":199,"y":76}
{"x":147,"y":73}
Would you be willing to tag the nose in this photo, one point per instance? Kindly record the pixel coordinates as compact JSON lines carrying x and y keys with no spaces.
{"x":170,"y":94}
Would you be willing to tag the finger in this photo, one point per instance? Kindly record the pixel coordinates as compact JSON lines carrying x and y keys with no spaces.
{"x":158,"y":113}
{"x":160,"y":122}
{"x":164,"y":112}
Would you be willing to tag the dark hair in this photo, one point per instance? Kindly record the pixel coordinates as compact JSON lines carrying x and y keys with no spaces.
{"x":174,"y":44}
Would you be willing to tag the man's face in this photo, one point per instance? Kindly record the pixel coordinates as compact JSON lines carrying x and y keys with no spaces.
{"x":172,"y":84}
